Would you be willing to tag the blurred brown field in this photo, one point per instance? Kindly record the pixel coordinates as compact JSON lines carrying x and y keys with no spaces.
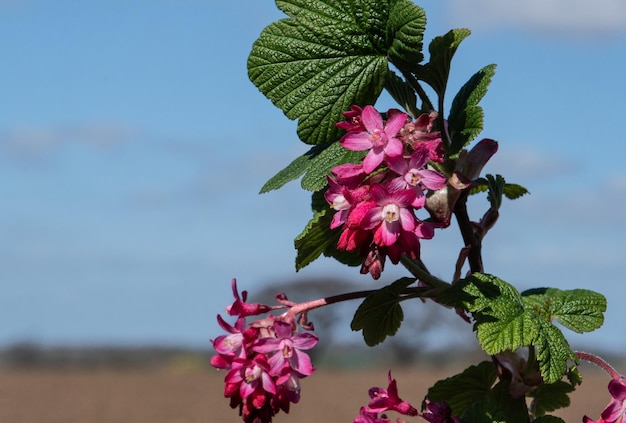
{"x":192,"y":394}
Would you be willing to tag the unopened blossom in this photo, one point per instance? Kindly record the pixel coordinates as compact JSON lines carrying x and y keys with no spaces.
{"x":241,"y":308}
{"x":438,"y":412}
{"x":378,"y":137}
{"x":615,"y":411}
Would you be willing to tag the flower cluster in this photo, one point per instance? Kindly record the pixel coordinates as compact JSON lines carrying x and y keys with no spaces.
{"x":383,"y":400}
{"x":265,"y":359}
{"x":375,"y":201}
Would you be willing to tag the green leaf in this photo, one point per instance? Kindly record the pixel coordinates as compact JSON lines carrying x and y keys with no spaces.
{"x":402,"y":93}
{"x":436,"y":72}
{"x":514,"y":191}
{"x":514,"y":410}
{"x":380,"y":314}
{"x":328,"y":55}
{"x":504,"y":321}
{"x":496,"y":187}
{"x":466,"y":116}
{"x":460,"y":391}
{"x":406,"y":25}
{"x":486,"y":411}
{"x":321,"y":165}
{"x":579,"y":310}
{"x":317,"y":238}
{"x":315,"y":164}
{"x":549,"y":397}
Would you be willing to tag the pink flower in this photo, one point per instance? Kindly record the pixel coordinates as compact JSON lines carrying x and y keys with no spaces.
{"x":287,"y":349}
{"x":615,"y":412}
{"x":388,"y":399}
{"x":420,"y":134}
{"x":228,"y":346}
{"x":391,"y":216}
{"x":379,"y":138}
{"x":413,"y":175}
{"x":253,"y":379}
{"x":353,"y":120}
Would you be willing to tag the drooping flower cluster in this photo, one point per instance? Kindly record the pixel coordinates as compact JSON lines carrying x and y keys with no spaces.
{"x":383,"y":400}
{"x":265,"y":359}
{"x":375,"y":201}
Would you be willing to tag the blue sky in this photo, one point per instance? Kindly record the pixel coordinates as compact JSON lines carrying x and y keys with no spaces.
{"x":133,"y":146}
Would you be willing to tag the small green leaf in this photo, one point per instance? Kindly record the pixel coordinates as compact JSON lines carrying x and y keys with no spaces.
{"x":315,"y":164}
{"x":317,"y":238}
{"x":549,"y":397}
{"x":496,"y":186}
{"x":514,"y":191}
{"x":466,"y":116}
{"x":294,"y":170}
{"x":321,"y":165}
{"x":436,"y":72}
{"x":460,"y":391}
{"x":380,"y":314}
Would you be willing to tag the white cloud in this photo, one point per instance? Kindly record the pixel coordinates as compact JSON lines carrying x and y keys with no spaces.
{"x":551,"y":16}
{"x":31,"y":142}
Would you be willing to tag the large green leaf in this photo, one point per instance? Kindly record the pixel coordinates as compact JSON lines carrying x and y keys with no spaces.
{"x":462,"y":390}
{"x":328,"y":55}
{"x":503,"y":321}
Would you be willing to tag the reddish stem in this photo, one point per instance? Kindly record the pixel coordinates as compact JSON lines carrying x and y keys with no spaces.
{"x":592,"y":358}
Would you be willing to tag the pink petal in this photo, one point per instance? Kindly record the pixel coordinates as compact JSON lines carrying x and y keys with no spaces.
{"x":394,"y":147}
{"x":432,"y":179}
{"x":305,"y":341}
{"x":390,"y":232}
{"x":372,"y":160}
{"x":398,"y":164}
{"x":372,"y":120}
{"x":305,"y":367}
{"x":372,"y":218}
{"x":407,"y":219}
{"x":356,"y":141}
{"x":394,"y":124}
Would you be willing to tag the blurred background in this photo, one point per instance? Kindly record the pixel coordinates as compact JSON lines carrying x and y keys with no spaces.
{"x":133,"y":147}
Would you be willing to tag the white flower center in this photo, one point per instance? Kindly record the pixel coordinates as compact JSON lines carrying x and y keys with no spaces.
{"x":391,"y":213}
{"x":412,"y":177}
